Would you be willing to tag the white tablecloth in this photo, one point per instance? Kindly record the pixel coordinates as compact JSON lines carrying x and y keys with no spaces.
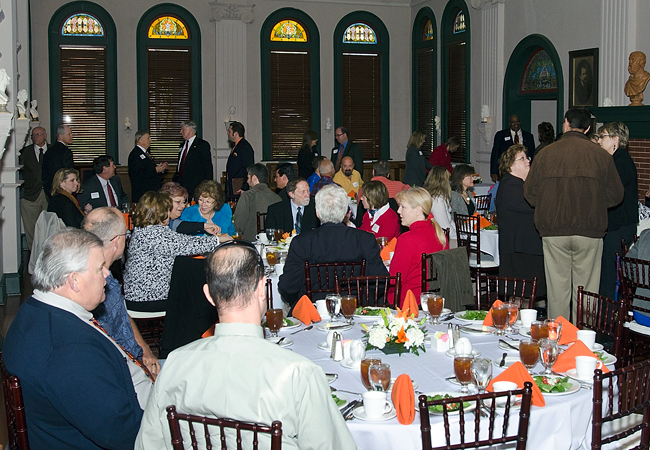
{"x":564,"y":423}
{"x":490,"y":243}
{"x":482,"y":188}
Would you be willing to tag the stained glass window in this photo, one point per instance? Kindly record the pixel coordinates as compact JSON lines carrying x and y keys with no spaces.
{"x":359,"y":33}
{"x":539,"y":74}
{"x":168,"y":27}
{"x":459,"y":23}
{"x":82,"y":25}
{"x":427,"y":34}
{"x":288,"y":31}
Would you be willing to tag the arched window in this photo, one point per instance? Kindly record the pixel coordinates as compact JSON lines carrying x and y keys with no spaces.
{"x":361,"y":82}
{"x":456,"y":76}
{"x":290,"y":45}
{"x":424,"y":46}
{"x":83,"y":88}
{"x":169,"y":76}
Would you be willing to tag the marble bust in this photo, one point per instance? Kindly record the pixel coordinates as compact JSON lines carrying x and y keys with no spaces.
{"x":638,"y":80}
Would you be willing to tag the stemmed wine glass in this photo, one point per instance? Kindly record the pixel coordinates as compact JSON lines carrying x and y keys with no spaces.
{"x":270,"y":234}
{"x":499,"y":318}
{"x":529,"y":353}
{"x":348,"y":307}
{"x":554,"y":329}
{"x":274,"y":321}
{"x":463,"y":370}
{"x":548,"y":352}
{"x":379,"y":375}
{"x":481,"y":374}
{"x":513,"y":310}
{"x":333,"y":302}
{"x":272,"y":259}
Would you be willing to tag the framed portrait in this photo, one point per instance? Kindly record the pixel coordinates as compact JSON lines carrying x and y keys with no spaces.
{"x":583,"y":77}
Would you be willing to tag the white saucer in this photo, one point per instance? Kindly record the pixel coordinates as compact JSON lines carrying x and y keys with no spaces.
{"x":596,"y":348}
{"x":452,"y":352}
{"x":331,"y":377}
{"x":573,"y":373}
{"x":503,"y":346}
{"x":286,"y":343}
{"x":326,"y":326}
{"x":349,"y":364}
{"x":323,"y":346}
{"x":360,"y":414}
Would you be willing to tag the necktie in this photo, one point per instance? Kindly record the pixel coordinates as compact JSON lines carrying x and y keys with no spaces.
{"x":183,"y":156}
{"x":338,"y":160}
{"x":517,"y":138}
{"x":128,"y":354}
{"x":298,"y":226}
{"x":111,"y":196}
{"x":40,"y":155}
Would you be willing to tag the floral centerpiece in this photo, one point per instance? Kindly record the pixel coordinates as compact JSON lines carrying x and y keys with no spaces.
{"x":285,"y":242}
{"x":397,"y":334}
{"x":477,"y":179}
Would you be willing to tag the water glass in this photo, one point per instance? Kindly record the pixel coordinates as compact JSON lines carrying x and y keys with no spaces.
{"x":481,"y":373}
{"x":379,"y":375}
{"x":513,"y":310}
{"x":333,"y":305}
{"x":548,"y":352}
{"x":554,"y":329}
{"x":270,"y":234}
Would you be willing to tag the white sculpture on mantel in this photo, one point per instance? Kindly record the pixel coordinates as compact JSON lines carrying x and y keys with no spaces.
{"x":4,"y":82}
{"x":231,"y":11}
{"x":32,"y":111}
{"x":21,"y":104}
{"x":476,"y":4}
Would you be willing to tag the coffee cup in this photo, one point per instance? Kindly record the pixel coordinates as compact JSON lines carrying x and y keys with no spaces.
{"x":585,"y":366}
{"x":321,"y":307}
{"x":528,"y":316}
{"x":329,"y":338}
{"x":503,"y":386}
{"x":357,"y":351}
{"x":375,"y":404}
{"x":463,"y":346}
{"x":588,"y":337}
{"x":262,"y":237}
{"x":279,"y":269}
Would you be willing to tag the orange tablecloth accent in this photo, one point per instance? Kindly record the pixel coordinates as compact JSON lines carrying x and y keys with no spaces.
{"x":569,"y":331}
{"x":403,"y":399}
{"x":517,"y":373}
{"x":567,"y":360}
{"x":305,"y":311}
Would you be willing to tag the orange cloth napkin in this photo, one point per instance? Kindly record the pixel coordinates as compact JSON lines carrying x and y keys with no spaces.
{"x":482,"y":221}
{"x":390,"y":247}
{"x":569,"y":331}
{"x":127,"y":219}
{"x":517,"y":373}
{"x":410,"y":304}
{"x":209,"y":332}
{"x":488,"y":319}
{"x":305,"y":311}
{"x":352,"y":195}
{"x":403,"y":399}
{"x":567,"y":360}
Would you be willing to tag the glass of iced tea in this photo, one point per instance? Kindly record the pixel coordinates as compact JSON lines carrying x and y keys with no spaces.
{"x":274,"y":321}
{"x":554,"y":329}
{"x":382,"y":241}
{"x":463,"y":370}
{"x":365,"y":365}
{"x":513,"y":310}
{"x":538,"y":330}
{"x":348,"y":307}
{"x":499,"y":318}
{"x":379,"y":376}
{"x":529,"y":353}
{"x":272,"y":259}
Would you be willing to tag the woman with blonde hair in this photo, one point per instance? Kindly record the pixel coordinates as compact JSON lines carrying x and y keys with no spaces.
{"x":65,"y":187}
{"x":416,"y":163}
{"x":424,"y":236}
{"x":437,"y":184}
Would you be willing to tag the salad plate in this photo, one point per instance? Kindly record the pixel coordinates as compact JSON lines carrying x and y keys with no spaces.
{"x":453,"y":409}
{"x":471,"y":316}
{"x":368,"y":313}
{"x":340,"y":399}
{"x":547,"y":384}
{"x":335,"y":326}
{"x":287,"y":323}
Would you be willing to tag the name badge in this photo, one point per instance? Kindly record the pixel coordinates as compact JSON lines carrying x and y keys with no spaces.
{"x":94,"y":195}
{"x":420,"y":152}
{"x":355,"y":184}
{"x":336,"y":150}
{"x":507,"y":138}
{"x":143,"y":157}
{"x":375,"y":228}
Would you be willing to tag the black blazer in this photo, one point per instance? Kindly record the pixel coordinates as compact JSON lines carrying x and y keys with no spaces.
{"x":331,"y":242}
{"x":32,"y":172}
{"x":354,"y":151}
{"x":57,"y":157}
{"x":94,"y":194}
{"x":503,"y":141}
{"x":66,"y":210}
{"x":279,"y":217}
{"x":142,"y":171}
{"x":198,"y":165}
{"x":241,"y":156}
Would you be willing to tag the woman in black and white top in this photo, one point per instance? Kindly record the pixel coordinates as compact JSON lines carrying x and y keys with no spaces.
{"x":462,"y":199}
{"x":152,"y":251}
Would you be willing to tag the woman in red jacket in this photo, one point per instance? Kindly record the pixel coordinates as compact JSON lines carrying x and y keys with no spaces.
{"x":424,"y":236}
{"x":379,"y":218}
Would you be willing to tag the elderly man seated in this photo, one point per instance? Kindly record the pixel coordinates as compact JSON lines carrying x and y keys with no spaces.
{"x":78,"y":383}
{"x":326,"y":170}
{"x":238,"y":374}
{"x":297,"y":212}
{"x":348,"y":177}
{"x":333,"y":241}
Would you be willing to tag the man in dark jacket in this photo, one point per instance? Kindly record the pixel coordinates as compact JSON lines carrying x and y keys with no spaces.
{"x":346,"y":147}
{"x":194,"y":159}
{"x":505,"y":139}
{"x":241,"y":156}
{"x":297,"y":212}
{"x":571,"y":185}
{"x":57,"y":157}
{"x":34,"y":200}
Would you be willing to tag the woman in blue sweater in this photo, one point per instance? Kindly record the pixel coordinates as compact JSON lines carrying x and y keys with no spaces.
{"x":211,"y":207}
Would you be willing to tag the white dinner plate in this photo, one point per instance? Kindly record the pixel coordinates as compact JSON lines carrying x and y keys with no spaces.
{"x":524,"y":331}
{"x":477,"y":329}
{"x":392,"y":382}
{"x":326,"y":326}
{"x":452,"y":352}
{"x":596,"y":348}
{"x":360,"y":414}
{"x":459,"y":315}
{"x":323,"y":346}
{"x":471,"y":407}
{"x":341,"y":396}
{"x":605,"y":357}
{"x":370,"y":318}
{"x":573,"y":373}
{"x":286,"y":343}
{"x":510,"y":360}
{"x":331,"y":377}
{"x":575,"y":387}
{"x":516,"y":405}
{"x":349,"y":364}
{"x":296,"y":323}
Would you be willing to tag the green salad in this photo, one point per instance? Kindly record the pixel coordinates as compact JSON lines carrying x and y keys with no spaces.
{"x":491,"y":227}
{"x":550,"y":384}
{"x":339,"y":402}
{"x":450,"y":406}
{"x":601,"y":356}
{"x":368,"y":311}
{"x":474,"y":315}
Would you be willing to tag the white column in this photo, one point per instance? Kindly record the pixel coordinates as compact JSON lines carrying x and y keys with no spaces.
{"x":618,"y":40}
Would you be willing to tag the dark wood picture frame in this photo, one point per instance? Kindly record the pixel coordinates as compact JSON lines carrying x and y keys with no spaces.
{"x":583,"y":77}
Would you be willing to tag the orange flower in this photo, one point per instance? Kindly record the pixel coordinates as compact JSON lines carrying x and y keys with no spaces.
{"x":285,"y":235}
{"x":401,"y":336}
{"x":402,"y":314}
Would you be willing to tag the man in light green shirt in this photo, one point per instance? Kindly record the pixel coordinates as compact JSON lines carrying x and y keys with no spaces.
{"x":239,"y":375}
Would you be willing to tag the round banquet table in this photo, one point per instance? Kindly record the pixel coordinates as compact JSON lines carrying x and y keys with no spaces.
{"x":564,"y":423}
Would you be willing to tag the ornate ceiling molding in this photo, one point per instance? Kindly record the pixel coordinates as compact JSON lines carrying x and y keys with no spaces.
{"x":478,"y":4}
{"x":231,"y":11}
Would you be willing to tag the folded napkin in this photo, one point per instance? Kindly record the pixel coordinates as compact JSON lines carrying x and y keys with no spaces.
{"x":567,"y":359}
{"x":127,"y":219}
{"x":569,"y":331}
{"x":482,"y":221}
{"x":209,"y":332}
{"x":352,"y":194}
{"x":390,"y":247}
{"x":305,"y":311}
{"x":517,"y":373}
{"x":488,"y":318}
{"x":404,"y":399}
{"x":410,"y":305}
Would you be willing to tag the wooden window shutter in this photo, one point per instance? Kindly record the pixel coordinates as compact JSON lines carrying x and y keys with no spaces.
{"x":426,"y":100}
{"x":457,"y":98}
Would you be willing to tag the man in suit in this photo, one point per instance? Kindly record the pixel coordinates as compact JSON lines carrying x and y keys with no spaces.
{"x":74,"y":376}
{"x":346,"y":148}
{"x":105,"y":188}
{"x":57,"y":157}
{"x":284,"y":172}
{"x":333,"y":241}
{"x":241,"y":156}
{"x":194,"y":159}
{"x":257,"y":199}
{"x":34,"y":199}
{"x":505,"y":139}
{"x":294,"y":213}
{"x":143,"y":171}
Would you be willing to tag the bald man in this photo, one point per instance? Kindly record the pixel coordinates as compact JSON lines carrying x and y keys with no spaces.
{"x":34,"y":199}
{"x":504,"y":139}
{"x":348,"y":177}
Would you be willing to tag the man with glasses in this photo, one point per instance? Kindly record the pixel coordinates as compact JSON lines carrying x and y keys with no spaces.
{"x":345,"y":147}
{"x":108,"y":225}
{"x":34,"y":199}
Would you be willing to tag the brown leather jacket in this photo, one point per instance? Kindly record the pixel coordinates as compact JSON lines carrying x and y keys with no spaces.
{"x":571,"y":184}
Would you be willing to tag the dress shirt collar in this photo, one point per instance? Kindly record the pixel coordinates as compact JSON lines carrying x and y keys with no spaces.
{"x":58,"y":301}
{"x":190,"y":141}
{"x":379,"y":213}
{"x":239,"y":329}
{"x":37,"y":150}
{"x":521,"y":136}
{"x":144,"y":150}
